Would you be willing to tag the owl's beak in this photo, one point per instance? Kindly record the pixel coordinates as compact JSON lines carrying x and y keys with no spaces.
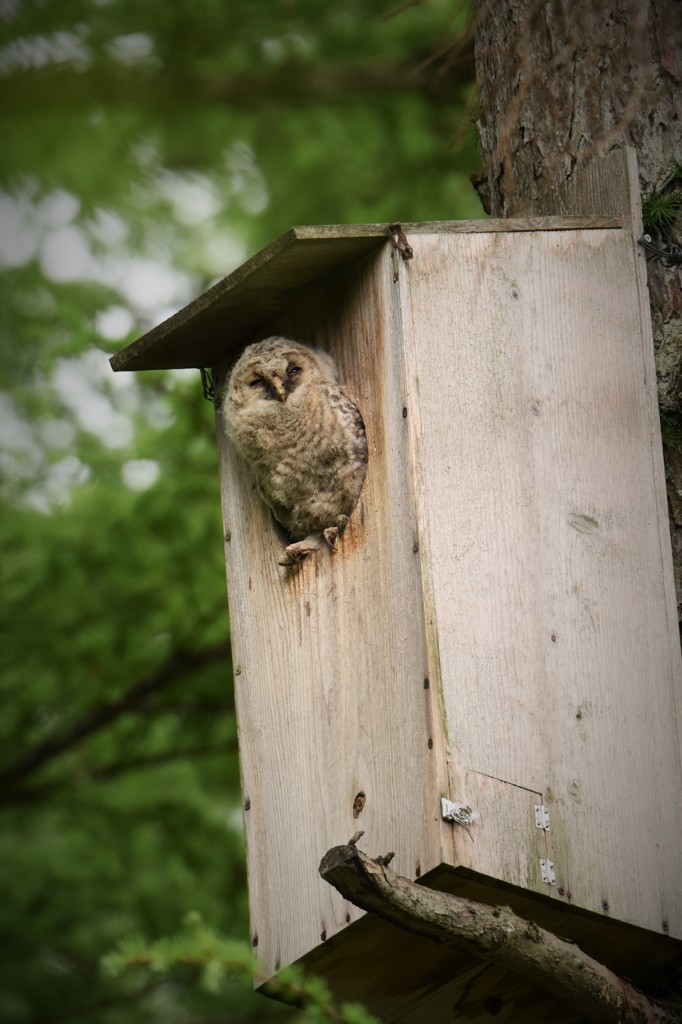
{"x":278,"y":388}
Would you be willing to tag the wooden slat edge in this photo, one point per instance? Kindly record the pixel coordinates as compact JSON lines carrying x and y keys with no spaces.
{"x":498,"y":224}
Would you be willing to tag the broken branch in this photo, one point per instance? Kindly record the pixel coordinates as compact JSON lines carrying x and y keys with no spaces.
{"x":495,"y":933}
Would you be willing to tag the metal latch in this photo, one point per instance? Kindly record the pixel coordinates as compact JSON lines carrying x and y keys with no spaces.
{"x":547,"y":871}
{"x":461,"y":814}
{"x":542,"y":817}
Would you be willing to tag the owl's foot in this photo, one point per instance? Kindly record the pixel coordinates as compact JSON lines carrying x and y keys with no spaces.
{"x":332,"y":533}
{"x":296,"y":553}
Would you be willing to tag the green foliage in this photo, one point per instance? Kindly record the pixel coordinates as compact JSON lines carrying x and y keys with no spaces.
{"x":660,"y":210}
{"x":218,"y":963}
{"x":146,"y":150}
{"x":197,"y":945}
{"x":662,"y":202}
{"x":671,"y":431}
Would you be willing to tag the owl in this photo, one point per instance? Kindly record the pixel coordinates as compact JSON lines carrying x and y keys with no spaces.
{"x":303,"y":437}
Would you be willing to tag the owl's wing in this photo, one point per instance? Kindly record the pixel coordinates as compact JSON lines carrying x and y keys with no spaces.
{"x":354,"y":420}
{"x":357,"y":415}
{"x":280,"y":512}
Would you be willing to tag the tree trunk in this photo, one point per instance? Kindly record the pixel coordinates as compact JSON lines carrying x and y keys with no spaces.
{"x":561,"y":82}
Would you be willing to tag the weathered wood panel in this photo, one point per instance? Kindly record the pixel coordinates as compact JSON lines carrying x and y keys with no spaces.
{"x":545,"y":554}
{"x":330,"y":664}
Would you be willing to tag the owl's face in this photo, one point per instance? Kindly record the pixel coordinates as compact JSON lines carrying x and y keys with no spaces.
{"x":272,"y":370}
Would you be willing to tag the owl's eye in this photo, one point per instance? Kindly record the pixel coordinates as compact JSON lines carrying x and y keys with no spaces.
{"x":257,"y":382}
{"x":293,"y":370}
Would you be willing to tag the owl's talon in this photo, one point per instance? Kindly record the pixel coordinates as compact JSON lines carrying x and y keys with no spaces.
{"x":331,"y":535}
{"x":290,"y":559}
{"x":296,"y":553}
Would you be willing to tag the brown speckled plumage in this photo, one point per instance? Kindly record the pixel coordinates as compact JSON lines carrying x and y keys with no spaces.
{"x":303,"y":437}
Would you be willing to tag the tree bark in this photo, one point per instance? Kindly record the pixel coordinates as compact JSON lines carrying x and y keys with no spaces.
{"x":491,"y":932}
{"x":561,"y":82}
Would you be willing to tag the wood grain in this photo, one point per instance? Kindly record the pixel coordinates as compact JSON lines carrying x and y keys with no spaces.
{"x":330,"y":692}
{"x":545,"y":555}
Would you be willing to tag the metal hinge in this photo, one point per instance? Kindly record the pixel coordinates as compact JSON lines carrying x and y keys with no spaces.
{"x":462,"y":814}
{"x":542,"y":817}
{"x":547,"y":871}
{"x":207,"y":384}
{"x":399,"y":242}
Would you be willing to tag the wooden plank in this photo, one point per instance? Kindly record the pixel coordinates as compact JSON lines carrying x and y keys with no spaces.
{"x":330,"y":665}
{"x":561,"y":222}
{"x":600,"y":185}
{"x":403,"y":977}
{"x":221,"y":320}
{"x":546,"y":559}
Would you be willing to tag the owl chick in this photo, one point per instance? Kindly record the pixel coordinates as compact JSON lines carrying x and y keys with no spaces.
{"x":303,"y":437}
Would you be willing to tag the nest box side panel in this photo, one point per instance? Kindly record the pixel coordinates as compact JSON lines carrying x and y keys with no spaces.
{"x":546,"y":550}
{"x":337,"y":729}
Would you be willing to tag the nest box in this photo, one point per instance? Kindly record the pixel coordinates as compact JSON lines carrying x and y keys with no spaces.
{"x":485,"y":677}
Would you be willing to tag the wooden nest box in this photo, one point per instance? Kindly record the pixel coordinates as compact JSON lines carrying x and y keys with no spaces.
{"x":498,"y":627}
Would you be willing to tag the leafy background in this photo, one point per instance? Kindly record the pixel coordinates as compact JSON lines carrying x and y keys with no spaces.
{"x":147,"y":150}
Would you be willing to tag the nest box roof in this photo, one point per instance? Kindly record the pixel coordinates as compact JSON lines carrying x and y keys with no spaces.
{"x":226,"y":315}
{"x":271,"y":282}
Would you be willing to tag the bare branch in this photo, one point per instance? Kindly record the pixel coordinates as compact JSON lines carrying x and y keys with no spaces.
{"x":302,"y":83}
{"x":180,"y":663}
{"x":29,"y":794}
{"x":494,"y":933}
